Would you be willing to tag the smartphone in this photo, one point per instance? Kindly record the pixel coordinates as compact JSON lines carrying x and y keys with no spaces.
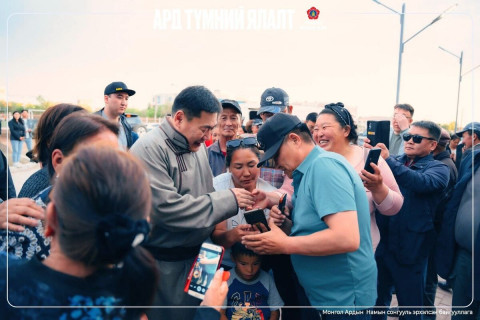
{"x":378,"y":131}
{"x":282,"y":203}
{"x":203,"y":269}
{"x":373,"y":156}
{"x":255,"y":217}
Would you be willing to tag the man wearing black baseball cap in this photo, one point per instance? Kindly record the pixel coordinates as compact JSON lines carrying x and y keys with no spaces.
{"x":470,"y":135}
{"x":116,"y":96}
{"x":329,"y":242}
{"x":272,"y":101}
{"x":275,"y":101}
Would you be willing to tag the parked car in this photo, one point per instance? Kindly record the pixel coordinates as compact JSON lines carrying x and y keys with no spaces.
{"x":136,"y":123}
{"x":152,"y":125}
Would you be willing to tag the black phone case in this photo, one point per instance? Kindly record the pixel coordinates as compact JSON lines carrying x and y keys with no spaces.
{"x":373,"y":156}
{"x":378,"y":131}
{"x":256,"y":216}
{"x":283,"y":202}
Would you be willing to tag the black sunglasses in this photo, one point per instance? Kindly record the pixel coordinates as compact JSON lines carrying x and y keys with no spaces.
{"x":416,"y":138}
{"x":249,"y":141}
{"x":339,"y":109}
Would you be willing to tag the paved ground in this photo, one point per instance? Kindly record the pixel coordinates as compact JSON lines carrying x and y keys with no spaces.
{"x":21,"y":174}
{"x":443,"y":302}
{"x":443,"y":299}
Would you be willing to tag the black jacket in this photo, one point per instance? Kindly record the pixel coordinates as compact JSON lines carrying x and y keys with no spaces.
{"x":447,"y":193}
{"x":410,"y":233}
{"x":17,"y":129}
{"x":7,"y":189}
{"x":131,"y":136}
{"x":446,"y":257}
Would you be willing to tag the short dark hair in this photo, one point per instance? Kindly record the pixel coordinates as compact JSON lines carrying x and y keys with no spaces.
{"x":195,"y":99}
{"x":404,"y":106}
{"x":312,"y":116}
{"x":434,"y":129}
{"x":75,"y":128}
{"x":238,"y":248}
{"x":46,"y":125}
{"x":454,"y":137}
{"x":335,"y":109}
{"x":302,"y":131}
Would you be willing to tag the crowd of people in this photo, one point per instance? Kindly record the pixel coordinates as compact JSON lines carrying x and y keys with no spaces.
{"x":111,"y":225}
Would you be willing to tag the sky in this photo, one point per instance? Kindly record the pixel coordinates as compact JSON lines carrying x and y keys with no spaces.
{"x":69,"y":51}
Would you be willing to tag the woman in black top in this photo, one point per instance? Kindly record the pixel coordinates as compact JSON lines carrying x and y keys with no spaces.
{"x":17,"y":135}
{"x":96,"y":268}
{"x":47,"y":123}
{"x":96,"y":223}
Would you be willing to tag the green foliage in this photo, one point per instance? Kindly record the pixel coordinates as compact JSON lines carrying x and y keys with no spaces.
{"x":150,"y":111}
{"x":450,"y":127}
{"x":42,"y":104}
{"x":12,"y":106}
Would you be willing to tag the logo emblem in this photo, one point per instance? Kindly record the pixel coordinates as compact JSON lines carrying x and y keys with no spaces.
{"x":313,"y":13}
{"x":269,"y":99}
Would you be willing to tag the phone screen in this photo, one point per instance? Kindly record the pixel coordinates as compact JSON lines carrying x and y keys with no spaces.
{"x":204,"y":269}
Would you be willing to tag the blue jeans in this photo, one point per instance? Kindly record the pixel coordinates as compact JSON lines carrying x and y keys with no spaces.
{"x":16,"y":150}
{"x":28,"y":142}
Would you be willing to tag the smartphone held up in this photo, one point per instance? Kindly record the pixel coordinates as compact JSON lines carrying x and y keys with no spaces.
{"x":256,"y":218}
{"x":373,"y":156}
{"x":203,"y":269}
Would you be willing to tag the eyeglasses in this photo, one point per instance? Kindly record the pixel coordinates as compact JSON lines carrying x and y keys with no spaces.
{"x":247,"y":142}
{"x":416,"y":138}
{"x":339,"y":109}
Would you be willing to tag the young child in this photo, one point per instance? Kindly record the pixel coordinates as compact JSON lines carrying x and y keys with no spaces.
{"x":251,"y":291}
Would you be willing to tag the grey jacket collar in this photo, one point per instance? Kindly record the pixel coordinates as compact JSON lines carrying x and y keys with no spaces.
{"x":176,"y":140}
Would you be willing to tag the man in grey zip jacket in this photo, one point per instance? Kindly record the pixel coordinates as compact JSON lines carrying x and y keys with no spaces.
{"x":401,"y":121}
{"x":185,"y":208}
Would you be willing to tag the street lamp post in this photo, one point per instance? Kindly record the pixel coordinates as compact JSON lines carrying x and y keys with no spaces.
{"x":402,"y":43}
{"x":400,"y":52}
{"x":460,"y":59}
{"x":460,"y":77}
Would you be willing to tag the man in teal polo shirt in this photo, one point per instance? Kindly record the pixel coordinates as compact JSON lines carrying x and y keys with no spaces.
{"x":329,"y":241}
